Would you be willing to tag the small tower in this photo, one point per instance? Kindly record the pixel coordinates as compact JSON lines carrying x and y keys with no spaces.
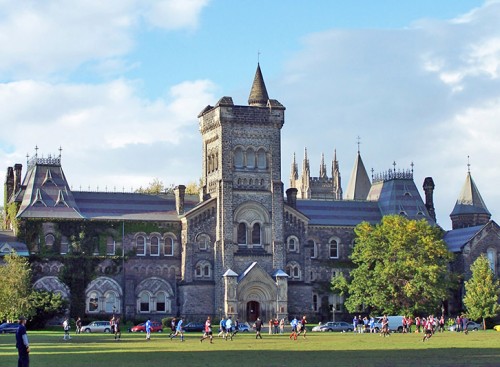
{"x":429,"y":196}
{"x":337,"y":184}
{"x":470,"y":209}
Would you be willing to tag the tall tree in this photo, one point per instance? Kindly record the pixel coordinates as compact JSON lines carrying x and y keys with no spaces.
{"x":15,"y":287}
{"x":400,"y":268}
{"x":482,"y":291}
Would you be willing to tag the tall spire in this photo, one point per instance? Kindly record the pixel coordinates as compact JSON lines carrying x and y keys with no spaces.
{"x":258,"y":94}
{"x":294,"y":174}
{"x":337,"y":185}
{"x":359,"y":183}
{"x":322,"y":167}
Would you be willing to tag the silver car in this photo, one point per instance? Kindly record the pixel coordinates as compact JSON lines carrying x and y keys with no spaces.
{"x":97,"y":327}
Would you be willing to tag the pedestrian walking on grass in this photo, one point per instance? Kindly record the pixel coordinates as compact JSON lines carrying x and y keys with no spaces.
{"x":258,"y":328}
{"x":22,"y":344}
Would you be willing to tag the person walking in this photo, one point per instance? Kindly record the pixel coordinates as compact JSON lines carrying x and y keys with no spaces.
{"x":148,"y":329}
{"x":294,"y":324}
{"x":118,"y":332}
{"x":66,"y":328}
{"x":222,"y":327}
{"x":179,"y":330}
{"x":258,"y":328}
{"x":78,"y":325}
{"x":173,"y":325}
{"x":229,"y":328}
{"x":208,"y":331}
{"x":22,"y":344}
{"x":303,"y":323}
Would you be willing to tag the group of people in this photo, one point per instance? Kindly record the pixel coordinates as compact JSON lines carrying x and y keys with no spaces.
{"x":276,"y":326}
{"x":298,"y":327}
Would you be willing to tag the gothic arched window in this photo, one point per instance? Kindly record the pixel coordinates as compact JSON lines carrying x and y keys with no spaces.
{"x":242,"y":234}
{"x":256,"y":234}
{"x":334,"y":249}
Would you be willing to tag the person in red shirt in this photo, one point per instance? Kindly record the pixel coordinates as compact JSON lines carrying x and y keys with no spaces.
{"x":208,"y":331}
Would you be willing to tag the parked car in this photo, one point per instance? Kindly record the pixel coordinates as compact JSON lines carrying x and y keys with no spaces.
{"x":97,"y":327}
{"x":496,"y":327}
{"x":194,"y":326}
{"x":395,"y":323}
{"x":339,"y":326}
{"x":471,"y":326}
{"x":156,"y":327}
{"x":243,"y":328}
{"x":8,"y":327}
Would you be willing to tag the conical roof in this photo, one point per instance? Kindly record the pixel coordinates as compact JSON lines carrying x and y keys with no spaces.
{"x":469,"y":201}
{"x":258,"y":94}
{"x":359,"y":183}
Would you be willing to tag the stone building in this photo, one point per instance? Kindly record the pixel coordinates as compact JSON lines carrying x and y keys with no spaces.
{"x":242,"y":247}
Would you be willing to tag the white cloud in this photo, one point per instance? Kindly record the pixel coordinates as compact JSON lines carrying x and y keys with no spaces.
{"x":429,"y":94}
{"x":45,"y":37}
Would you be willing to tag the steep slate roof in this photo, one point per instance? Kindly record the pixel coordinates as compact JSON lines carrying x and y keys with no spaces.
{"x":45,"y":193}
{"x":339,"y":213}
{"x":457,"y":238}
{"x":359,"y":183}
{"x":258,"y":93}
{"x":469,"y":201}
{"x":8,"y":242}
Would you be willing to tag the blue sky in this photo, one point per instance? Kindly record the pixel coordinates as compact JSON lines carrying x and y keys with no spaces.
{"x":118,"y":85}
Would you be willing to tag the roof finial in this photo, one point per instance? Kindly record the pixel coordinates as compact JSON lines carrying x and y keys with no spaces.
{"x":60,"y":151}
{"x":412,"y":166}
{"x":468,"y":164}
{"x":394,"y":164}
{"x":372,"y":173}
{"x":358,"y":142}
{"x":258,"y":56}
{"x":36,"y":150}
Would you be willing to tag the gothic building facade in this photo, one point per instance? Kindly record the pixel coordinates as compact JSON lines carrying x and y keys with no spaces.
{"x":243,"y":247}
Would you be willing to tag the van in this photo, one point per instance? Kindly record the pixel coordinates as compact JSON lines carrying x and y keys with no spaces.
{"x":395,"y":323}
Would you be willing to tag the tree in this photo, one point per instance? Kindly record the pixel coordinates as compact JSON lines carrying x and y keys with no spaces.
{"x":155,"y":187}
{"x":15,"y":287}
{"x":481,"y":291}
{"x":46,"y":305}
{"x":401,"y":268}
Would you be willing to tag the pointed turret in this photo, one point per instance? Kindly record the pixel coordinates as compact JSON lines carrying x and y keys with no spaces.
{"x":294,"y":174}
{"x":337,"y":185}
{"x":359,"y":184}
{"x":470,"y":209}
{"x":322,"y":167}
{"x":258,"y":94}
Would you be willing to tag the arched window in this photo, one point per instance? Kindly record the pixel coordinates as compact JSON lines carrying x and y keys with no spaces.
{"x":261,"y":159}
{"x":242,"y":234}
{"x":140,"y":246}
{"x":492,"y":258}
{"x":50,"y":240}
{"x":110,"y":245}
{"x":161,"y":302}
{"x":144,"y":299}
{"x":314,"y":249}
{"x":238,"y":158}
{"x":111,"y":304}
{"x":169,"y":246}
{"x":203,"y":242}
{"x":256,"y":234}
{"x":293,"y":271}
{"x":203,"y":270}
{"x":155,"y":246}
{"x":250,"y":158}
{"x":64,"y":245}
{"x":334,"y":249}
{"x":293,"y":244}
{"x":93,"y":302}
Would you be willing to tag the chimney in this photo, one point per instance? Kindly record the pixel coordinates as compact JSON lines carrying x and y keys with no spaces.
{"x":9,"y":185}
{"x":429,"y":196}
{"x":180,"y":193}
{"x":291,"y":197}
{"x":17,"y":176}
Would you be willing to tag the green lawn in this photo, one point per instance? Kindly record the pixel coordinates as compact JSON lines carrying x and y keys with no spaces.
{"x":318,"y":349}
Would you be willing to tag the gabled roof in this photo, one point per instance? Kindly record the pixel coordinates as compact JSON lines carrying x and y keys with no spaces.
{"x":469,"y":201}
{"x":359,"y":184}
{"x":339,"y":212}
{"x":9,"y":243}
{"x":456,"y":239}
{"x":258,"y":93}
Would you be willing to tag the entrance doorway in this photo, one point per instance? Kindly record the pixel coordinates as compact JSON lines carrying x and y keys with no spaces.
{"x":253,"y":311}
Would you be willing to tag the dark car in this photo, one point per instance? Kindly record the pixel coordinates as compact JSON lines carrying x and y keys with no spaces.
{"x":194,"y":326}
{"x":8,"y":327}
{"x":141,"y":328}
{"x":340,"y":326}
{"x":471,"y":326}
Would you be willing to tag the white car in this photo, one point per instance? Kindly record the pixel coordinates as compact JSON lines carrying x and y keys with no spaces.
{"x":97,"y":327}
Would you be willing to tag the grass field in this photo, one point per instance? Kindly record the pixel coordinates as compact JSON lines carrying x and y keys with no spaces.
{"x":318,"y":349}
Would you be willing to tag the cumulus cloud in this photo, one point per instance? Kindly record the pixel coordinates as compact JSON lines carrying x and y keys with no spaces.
{"x":428,"y":94}
{"x":45,"y":37}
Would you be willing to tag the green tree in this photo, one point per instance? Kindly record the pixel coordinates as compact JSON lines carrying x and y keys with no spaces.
{"x":401,"y":268}
{"x":15,"y":287}
{"x":481,"y":291}
{"x":46,"y":305}
{"x":155,"y":187}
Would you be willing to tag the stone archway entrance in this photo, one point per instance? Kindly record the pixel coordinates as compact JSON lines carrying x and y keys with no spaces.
{"x":253,"y":310}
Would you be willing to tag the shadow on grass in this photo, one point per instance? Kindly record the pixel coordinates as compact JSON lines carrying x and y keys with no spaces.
{"x":93,"y":357}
